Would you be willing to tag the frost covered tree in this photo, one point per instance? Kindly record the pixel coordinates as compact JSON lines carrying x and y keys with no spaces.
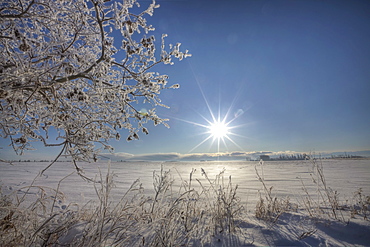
{"x":79,"y":68}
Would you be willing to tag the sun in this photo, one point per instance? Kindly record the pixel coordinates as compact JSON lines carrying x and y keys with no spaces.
{"x":219,"y":129}
{"x":219,"y":125}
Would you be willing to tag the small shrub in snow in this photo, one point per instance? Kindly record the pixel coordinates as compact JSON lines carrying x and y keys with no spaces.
{"x":269,"y":207}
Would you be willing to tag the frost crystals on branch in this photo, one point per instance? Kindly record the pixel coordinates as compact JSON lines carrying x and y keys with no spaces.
{"x":78,"y":68}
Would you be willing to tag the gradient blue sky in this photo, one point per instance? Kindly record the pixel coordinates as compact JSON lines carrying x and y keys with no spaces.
{"x":299,"y":71}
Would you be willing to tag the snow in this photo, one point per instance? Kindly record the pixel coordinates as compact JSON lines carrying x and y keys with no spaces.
{"x":293,"y":184}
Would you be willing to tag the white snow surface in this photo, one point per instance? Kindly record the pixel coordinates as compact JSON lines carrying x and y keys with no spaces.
{"x":287,"y":179}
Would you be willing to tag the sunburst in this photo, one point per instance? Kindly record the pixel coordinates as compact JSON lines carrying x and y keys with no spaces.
{"x":218,"y":129}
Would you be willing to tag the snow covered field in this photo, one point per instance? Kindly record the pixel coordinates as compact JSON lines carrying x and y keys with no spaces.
{"x":277,"y":203}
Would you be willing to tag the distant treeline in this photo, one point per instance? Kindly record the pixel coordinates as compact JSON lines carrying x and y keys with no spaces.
{"x":292,"y":157}
{"x":265,"y":157}
{"x":346,"y":156}
{"x":306,"y":157}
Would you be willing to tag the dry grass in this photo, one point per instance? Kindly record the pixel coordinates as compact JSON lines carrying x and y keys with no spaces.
{"x":360,"y":204}
{"x":198,"y":212}
{"x":33,"y":223}
{"x":269,"y":207}
{"x":189,"y":216}
{"x":325,"y":203}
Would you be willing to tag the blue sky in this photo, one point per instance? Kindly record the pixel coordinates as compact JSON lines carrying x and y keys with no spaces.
{"x":295,"y":73}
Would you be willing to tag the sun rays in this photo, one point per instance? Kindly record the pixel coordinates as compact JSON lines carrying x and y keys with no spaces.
{"x":217,"y":121}
{"x":218,"y":129}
